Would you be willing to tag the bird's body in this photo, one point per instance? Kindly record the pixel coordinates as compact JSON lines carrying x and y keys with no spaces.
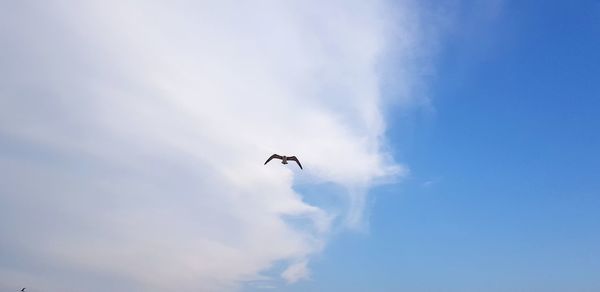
{"x":284,"y":159}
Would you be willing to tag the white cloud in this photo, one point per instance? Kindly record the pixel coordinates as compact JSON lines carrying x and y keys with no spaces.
{"x":132,"y":137}
{"x":296,"y":271}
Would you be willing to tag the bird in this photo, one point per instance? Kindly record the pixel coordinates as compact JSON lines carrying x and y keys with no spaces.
{"x":284,"y":159}
{"x":23,"y":289}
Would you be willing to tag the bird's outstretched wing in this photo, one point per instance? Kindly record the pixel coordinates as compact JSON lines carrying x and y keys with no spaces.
{"x":294,"y":158}
{"x":273,"y":156}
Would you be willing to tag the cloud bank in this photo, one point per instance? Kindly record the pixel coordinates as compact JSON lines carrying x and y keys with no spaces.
{"x":132,"y":137}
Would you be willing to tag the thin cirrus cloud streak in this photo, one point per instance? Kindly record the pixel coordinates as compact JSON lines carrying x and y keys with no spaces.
{"x":132,"y":137}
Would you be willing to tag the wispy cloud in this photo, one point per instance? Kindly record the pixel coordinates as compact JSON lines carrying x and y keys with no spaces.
{"x":132,"y":137}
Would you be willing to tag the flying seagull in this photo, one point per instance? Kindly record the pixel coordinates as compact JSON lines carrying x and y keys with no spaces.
{"x":284,"y":159}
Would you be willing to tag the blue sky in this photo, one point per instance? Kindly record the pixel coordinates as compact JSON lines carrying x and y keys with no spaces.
{"x":447,"y":146}
{"x":504,"y":191}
